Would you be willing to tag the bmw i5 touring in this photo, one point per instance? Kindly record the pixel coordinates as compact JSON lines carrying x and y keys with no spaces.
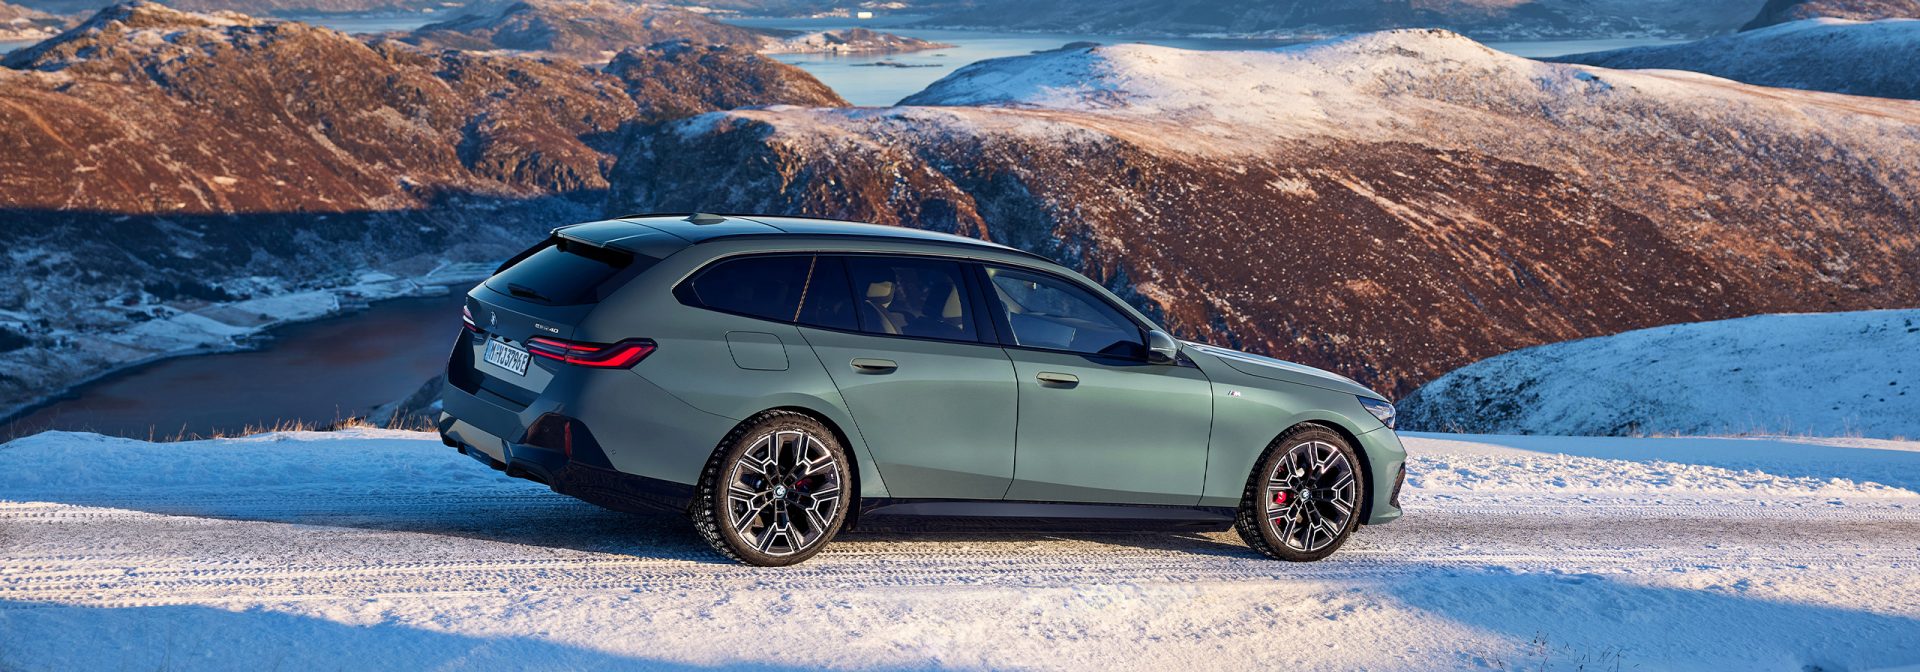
{"x":780,"y":379}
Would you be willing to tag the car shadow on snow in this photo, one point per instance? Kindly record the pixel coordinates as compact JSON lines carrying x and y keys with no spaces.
{"x":1603,"y":622}
{"x":39,"y":635}
{"x":1780,"y":456}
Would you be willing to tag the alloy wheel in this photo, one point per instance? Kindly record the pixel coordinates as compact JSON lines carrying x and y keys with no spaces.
{"x":1311,"y":495}
{"x":783,"y":493}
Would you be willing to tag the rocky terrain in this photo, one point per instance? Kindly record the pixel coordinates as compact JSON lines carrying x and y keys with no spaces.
{"x":1784,"y":11}
{"x":1824,"y":374}
{"x":1389,"y":206}
{"x":1861,"y":58}
{"x":594,"y":30}
{"x":677,"y":79}
{"x":1486,"y":19}
{"x":254,"y":7}
{"x":590,"y":31}
{"x":171,"y":166}
{"x":22,"y":23}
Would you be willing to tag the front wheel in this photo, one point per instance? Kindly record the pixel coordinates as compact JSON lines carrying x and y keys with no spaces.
{"x":775,"y":491}
{"x":1303,"y":498}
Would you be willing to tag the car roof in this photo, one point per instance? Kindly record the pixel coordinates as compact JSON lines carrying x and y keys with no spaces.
{"x":654,"y":233}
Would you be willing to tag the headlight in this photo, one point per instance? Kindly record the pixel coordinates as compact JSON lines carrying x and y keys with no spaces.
{"x":1379,"y":409}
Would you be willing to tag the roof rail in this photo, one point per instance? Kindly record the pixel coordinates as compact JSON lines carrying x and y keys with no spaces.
{"x":965,"y":244}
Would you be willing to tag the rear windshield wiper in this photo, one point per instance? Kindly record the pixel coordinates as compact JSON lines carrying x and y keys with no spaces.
{"x":526,"y":292}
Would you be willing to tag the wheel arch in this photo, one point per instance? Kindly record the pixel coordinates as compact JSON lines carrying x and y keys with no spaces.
{"x":856,"y":453}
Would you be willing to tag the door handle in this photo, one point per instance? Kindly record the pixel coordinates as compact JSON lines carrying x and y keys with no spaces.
{"x":1061,"y":379}
{"x":871,"y":365}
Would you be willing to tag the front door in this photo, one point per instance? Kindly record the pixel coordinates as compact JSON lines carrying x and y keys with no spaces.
{"x":935,"y":404}
{"x":1098,"y":423}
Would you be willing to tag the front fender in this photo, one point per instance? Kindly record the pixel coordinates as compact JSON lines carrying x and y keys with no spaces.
{"x":1247,"y":418}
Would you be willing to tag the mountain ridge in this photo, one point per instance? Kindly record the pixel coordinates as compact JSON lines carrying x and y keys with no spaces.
{"x":1824,"y":54}
{"x":1484,"y":19}
{"x":1387,"y":206}
{"x":594,"y":30}
{"x":1787,"y":11}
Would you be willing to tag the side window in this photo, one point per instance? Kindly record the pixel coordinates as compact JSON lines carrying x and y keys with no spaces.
{"x":786,"y":288}
{"x":1043,"y":311}
{"x":906,"y":296}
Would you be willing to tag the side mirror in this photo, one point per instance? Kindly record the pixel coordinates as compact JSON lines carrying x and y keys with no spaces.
{"x":1161,"y":348}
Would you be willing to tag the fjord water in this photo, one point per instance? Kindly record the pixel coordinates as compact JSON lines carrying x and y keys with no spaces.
{"x":312,"y":372}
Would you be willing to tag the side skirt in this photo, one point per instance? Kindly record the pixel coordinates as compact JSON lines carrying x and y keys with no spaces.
{"x":944,"y":515}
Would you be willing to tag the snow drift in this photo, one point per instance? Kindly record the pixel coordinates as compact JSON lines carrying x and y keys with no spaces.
{"x":1833,"y":374}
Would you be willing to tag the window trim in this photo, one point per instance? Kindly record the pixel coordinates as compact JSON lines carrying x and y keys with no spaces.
{"x":998,"y":313}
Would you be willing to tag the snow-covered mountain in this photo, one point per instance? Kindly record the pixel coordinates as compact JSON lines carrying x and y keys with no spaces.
{"x":23,"y":23}
{"x":1389,"y":206}
{"x":1862,"y":58}
{"x":1825,"y":374}
{"x":850,"y":41}
{"x":1486,"y":19}
{"x":1786,"y":11}
{"x":174,"y":180}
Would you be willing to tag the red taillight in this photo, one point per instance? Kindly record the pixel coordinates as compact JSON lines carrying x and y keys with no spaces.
{"x":616,"y":356}
{"x":466,"y":320}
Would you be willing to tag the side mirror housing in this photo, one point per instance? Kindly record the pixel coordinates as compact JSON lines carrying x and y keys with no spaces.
{"x":1162,"y":348}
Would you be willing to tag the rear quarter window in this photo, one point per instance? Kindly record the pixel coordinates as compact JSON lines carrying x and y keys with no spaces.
{"x":562,"y":272}
{"x":796,"y":288}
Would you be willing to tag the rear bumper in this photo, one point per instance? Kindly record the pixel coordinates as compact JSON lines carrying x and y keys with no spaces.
{"x":495,"y":435}
{"x":1388,"y":460}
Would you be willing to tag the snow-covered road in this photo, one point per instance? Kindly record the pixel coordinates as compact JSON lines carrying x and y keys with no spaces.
{"x":361,"y":549}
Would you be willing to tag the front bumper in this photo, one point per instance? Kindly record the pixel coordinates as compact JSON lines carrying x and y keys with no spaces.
{"x":1388,"y":460}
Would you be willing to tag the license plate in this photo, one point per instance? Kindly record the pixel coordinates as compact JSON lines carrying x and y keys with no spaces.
{"x":506,"y":357}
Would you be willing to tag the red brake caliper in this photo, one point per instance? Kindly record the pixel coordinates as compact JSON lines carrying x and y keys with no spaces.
{"x":1280,"y":497}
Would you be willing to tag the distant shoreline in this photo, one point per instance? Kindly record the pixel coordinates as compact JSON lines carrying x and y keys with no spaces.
{"x":256,"y":337}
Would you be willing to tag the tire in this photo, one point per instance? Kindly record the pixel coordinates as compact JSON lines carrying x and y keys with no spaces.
{"x":776,"y":490}
{"x":1304,"y":497}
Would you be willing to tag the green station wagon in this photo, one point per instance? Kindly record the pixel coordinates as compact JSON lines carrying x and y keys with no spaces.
{"x":780,"y":379}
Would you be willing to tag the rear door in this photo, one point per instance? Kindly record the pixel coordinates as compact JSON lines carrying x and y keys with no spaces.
{"x":1097,"y":422}
{"x":934,"y":399}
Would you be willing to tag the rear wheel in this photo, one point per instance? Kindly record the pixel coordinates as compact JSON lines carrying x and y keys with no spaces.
{"x":1303,"y":498}
{"x":775,"y":491}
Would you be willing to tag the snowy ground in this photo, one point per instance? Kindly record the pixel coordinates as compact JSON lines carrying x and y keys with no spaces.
{"x":375,"y":549}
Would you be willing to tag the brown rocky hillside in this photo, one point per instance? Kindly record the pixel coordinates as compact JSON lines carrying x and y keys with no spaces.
{"x":1389,"y":206}
{"x":158,"y":160}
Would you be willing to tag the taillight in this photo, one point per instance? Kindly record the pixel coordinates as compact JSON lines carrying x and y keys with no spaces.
{"x":466,"y":320}
{"x":598,"y":355}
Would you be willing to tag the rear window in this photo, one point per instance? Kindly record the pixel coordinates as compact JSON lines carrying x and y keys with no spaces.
{"x":563,"y":272}
{"x":799,"y":288}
